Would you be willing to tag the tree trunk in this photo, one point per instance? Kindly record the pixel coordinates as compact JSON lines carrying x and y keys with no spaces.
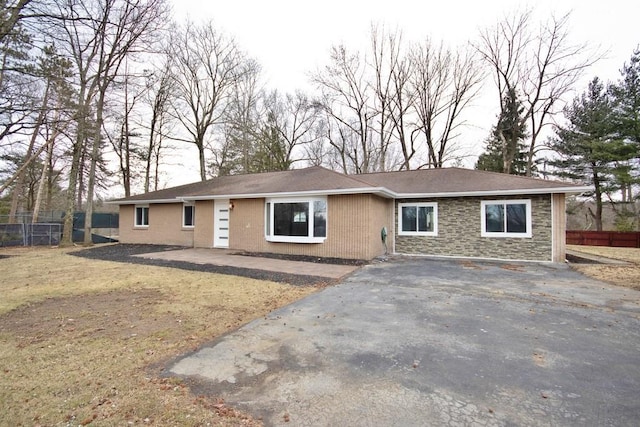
{"x":506,"y":155}
{"x":43,"y":177}
{"x":17,"y":190}
{"x":598,"y":199}
{"x":78,"y":148}
{"x":203,"y":173}
{"x":126,"y":173}
{"x":530,"y":155}
{"x":152,"y":131}
{"x":95,"y":152}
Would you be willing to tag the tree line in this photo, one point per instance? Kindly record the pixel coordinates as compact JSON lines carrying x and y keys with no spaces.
{"x":593,"y":138}
{"x":99,"y":93}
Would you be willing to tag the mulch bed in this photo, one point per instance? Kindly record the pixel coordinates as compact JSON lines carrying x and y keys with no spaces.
{"x":124,"y":253}
{"x":306,"y":258}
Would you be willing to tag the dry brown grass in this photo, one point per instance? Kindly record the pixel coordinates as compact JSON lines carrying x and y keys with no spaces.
{"x":621,"y":275}
{"x":83,"y":341}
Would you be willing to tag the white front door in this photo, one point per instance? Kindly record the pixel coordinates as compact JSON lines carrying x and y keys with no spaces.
{"x":221,"y":223}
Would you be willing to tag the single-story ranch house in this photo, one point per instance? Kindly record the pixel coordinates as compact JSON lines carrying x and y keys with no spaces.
{"x":449,"y":212}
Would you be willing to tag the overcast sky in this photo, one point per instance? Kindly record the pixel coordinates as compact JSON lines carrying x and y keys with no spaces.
{"x":292,"y":38}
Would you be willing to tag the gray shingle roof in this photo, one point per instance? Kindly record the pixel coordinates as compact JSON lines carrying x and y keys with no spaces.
{"x":458,"y":180}
{"x":428,"y":182}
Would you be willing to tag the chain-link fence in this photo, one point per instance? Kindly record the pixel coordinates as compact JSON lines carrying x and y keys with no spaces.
{"x":21,"y":231}
{"x":30,"y":234}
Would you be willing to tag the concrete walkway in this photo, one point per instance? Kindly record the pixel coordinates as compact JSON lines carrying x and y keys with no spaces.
{"x":229,"y":258}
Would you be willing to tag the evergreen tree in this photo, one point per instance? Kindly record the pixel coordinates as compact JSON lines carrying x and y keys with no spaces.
{"x":626,"y":96}
{"x":626,"y":116}
{"x":589,"y":148}
{"x":506,"y":151}
{"x":271,"y":151}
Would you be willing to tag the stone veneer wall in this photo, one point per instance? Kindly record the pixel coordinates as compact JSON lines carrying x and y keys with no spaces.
{"x":459,"y":230}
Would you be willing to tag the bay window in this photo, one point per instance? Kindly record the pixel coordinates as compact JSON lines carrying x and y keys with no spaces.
{"x":296,"y":220}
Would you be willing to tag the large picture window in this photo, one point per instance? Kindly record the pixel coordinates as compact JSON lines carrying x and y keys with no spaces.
{"x":506,"y":218}
{"x":296,"y":220}
{"x":417,"y":219}
{"x":188,"y":215}
{"x":142,"y":216}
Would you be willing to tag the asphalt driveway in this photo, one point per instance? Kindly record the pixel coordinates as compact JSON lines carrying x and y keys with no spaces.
{"x":436,"y":342}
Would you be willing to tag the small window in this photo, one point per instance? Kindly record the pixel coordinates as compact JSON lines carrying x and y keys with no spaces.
{"x":188,"y":215}
{"x":296,"y":220}
{"x":418,"y":219}
{"x":320,"y":218}
{"x":508,"y":218}
{"x":142,"y":216}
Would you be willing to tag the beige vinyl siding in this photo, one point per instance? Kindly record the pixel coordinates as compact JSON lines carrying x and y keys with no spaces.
{"x":165,"y":226}
{"x":353,"y":228}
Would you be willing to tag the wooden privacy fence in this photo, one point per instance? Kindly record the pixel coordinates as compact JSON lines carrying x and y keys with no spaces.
{"x":604,"y":238}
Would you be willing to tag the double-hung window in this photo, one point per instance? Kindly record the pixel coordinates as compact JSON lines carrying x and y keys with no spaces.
{"x":142,"y":216}
{"x":188,"y":215}
{"x":417,"y":219}
{"x":296,"y":220}
{"x":506,"y":218}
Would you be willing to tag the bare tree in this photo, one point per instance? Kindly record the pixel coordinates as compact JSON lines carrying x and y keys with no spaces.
{"x":391,"y":111}
{"x":99,"y":34}
{"x":241,"y":120}
{"x":402,"y":103}
{"x":207,"y":64}
{"x":56,"y":128}
{"x":542,"y":65}
{"x":123,"y":134}
{"x":346,"y":99}
{"x":444,"y":82}
{"x":389,"y":68}
{"x":296,"y":120}
{"x":160,"y":92}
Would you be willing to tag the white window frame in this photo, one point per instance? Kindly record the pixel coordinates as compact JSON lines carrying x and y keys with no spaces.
{"x":418,"y":233}
{"x":135,"y":216}
{"x":193,"y":214}
{"x":483,"y":221}
{"x":269,"y":220}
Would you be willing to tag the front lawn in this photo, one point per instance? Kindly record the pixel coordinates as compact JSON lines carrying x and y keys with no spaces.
{"x":83,"y":341}
{"x":621,"y":275}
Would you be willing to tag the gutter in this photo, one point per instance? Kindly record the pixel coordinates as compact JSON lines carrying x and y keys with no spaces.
{"x":380,"y":191}
{"x":140,"y":202}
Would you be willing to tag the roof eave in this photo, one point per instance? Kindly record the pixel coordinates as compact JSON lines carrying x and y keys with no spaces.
{"x":379,"y":191}
{"x":497,"y":193}
{"x":143,"y":202}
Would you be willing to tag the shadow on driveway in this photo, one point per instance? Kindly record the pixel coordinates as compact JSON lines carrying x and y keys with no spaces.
{"x":436,"y":342}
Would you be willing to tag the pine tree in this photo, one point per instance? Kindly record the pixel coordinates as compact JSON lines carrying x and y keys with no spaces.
{"x":589,"y":148}
{"x":626,"y":116}
{"x":506,"y":151}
